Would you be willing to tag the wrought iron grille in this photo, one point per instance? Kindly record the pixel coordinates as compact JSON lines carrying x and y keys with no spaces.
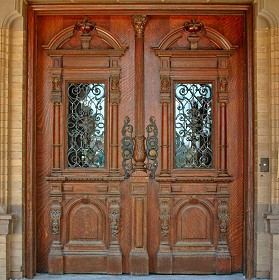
{"x":86,"y":125}
{"x":193,"y":126}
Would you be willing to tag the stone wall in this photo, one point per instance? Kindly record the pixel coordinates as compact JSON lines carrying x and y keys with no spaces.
{"x":12,"y":135}
{"x":12,"y":123}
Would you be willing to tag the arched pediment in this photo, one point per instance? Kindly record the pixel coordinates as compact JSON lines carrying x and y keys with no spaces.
{"x":70,"y":41}
{"x":209,"y":39}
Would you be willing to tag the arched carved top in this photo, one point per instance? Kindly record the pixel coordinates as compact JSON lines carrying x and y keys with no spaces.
{"x":60,"y":39}
{"x":193,"y":202}
{"x":217,"y":40}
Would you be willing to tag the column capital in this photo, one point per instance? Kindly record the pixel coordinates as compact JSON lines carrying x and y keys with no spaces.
{"x":139,"y":23}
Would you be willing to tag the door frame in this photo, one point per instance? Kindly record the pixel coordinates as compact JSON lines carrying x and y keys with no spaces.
{"x":36,"y":10}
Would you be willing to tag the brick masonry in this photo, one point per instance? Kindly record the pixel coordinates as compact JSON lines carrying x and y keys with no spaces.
{"x":12,"y":134}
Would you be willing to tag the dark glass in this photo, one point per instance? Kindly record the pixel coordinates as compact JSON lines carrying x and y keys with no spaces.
{"x":193,"y":126}
{"x":86,"y":125}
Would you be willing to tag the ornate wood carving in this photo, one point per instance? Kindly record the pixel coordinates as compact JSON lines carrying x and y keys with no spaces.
{"x":165,"y":218}
{"x":114,"y":216}
{"x":139,"y":23}
{"x":55,"y":215}
{"x":193,"y":27}
{"x":223,"y":216}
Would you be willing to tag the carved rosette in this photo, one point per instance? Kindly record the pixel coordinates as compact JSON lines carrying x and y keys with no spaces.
{"x":55,"y":216}
{"x":165,"y":84}
{"x":56,"y":88}
{"x":139,"y":23}
{"x":164,"y":218}
{"x":223,"y":216}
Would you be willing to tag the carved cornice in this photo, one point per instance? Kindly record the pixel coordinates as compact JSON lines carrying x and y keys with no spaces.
{"x":84,"y":178}
{"x":194,"y":179}
{"x":139,"y":23}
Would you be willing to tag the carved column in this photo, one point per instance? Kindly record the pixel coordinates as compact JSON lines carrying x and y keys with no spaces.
{"x":56,"y":100}
{"x":165,"y":103}
{"x":139,"y":23}
{"x":164,"y":256}
{"x":55,"y":257}
{"x":114,"y":105}
{"x":138,"y":257}
{"x":223,"y":100}
{"x":114,"y":255}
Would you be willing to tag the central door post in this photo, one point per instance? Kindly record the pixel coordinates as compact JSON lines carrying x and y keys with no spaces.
{"x":138,"y":257}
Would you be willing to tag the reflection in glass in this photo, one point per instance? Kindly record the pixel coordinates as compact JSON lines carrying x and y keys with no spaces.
{"x":193,"y":126}
{"x":86,"y":125}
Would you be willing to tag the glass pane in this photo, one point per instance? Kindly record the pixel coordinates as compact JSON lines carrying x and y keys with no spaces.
{"x":193,"y":126}
{"x":86,"y":125}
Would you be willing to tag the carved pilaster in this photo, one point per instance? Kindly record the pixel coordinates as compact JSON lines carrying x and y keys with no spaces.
{"x":115,"y":255}
{"x":114,"y":106}
{"x":223,"y":100}
{"x":56,"y":97}
{"x":165,"y":103}
{"x":164,"y":256}
{"x":138,"y":257}
{"x":223,"y":260}
{"x":55,"y":257}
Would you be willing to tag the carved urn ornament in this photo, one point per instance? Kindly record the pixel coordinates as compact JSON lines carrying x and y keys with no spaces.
{"x":85,"y":27}
{"x":193,"y":27}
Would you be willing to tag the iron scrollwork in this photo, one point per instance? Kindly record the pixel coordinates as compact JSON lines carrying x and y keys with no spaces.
{"x":152,"y":147}
{"x":193,"y":126}
{"x":86,"y":125}
{"x":127,"y":147}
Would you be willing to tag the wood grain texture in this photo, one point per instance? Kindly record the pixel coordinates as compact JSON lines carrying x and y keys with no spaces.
{"x":196,"y":224}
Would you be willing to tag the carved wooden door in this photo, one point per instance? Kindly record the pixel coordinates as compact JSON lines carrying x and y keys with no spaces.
{"x":139,"y":143}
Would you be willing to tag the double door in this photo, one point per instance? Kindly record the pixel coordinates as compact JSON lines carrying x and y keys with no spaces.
{"x":139,"y":143}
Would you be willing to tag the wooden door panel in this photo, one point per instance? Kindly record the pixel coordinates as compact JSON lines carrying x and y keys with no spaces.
{"x":187,"y":216}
